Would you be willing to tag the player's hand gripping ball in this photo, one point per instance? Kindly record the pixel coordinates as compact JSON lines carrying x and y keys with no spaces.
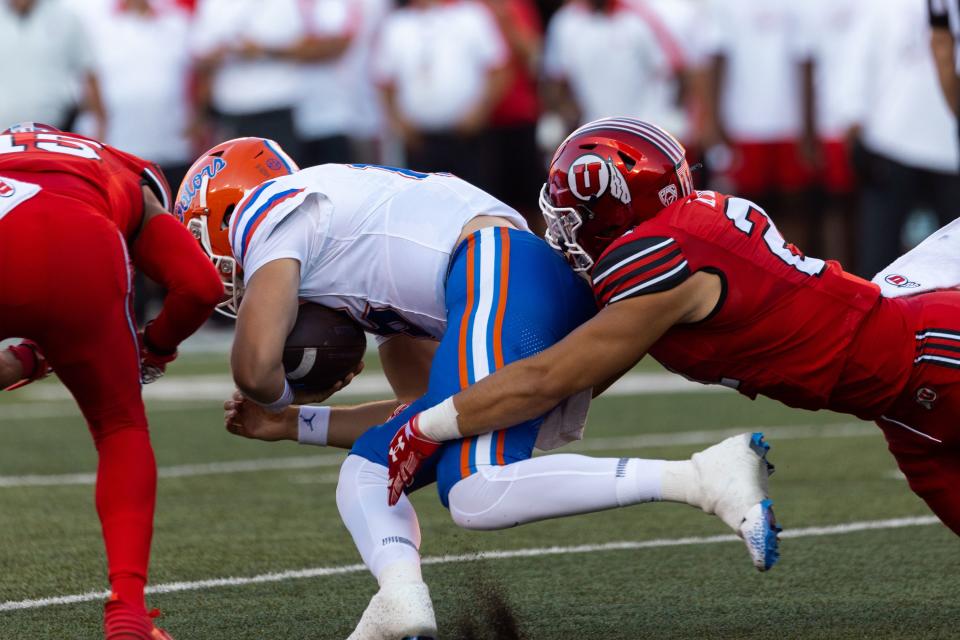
{"x":323,"y":352}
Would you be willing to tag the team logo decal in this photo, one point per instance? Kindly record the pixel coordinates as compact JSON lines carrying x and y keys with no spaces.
{"x":590,"y":176}
{"x":901,"y":281}
{"x":211,"y":169}
{"x":926,"y":397}
{"x":668,"y":195}
{"x":6,"y":189}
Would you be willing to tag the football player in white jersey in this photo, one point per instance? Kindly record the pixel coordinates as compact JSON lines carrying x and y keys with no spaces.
{"x":436,"y":268}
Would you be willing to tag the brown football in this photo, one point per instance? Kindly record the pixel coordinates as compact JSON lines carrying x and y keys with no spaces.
{"x":323,"y":347}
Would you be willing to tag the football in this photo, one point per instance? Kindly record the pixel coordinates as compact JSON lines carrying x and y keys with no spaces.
{"x":323,"y":347}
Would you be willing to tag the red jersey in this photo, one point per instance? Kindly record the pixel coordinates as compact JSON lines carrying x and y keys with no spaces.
{"x":77,"y":167}
{"x":794,"y":328}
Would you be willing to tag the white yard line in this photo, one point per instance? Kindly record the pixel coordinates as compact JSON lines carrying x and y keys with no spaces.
{"x":623,"y":443}
{"x":218,"y":387}
{"x":318,"y":572}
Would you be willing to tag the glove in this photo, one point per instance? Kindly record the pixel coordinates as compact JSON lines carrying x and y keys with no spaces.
{"x":32,"y":361}
{"x":408,"y":449}
{"x":153,"y":362}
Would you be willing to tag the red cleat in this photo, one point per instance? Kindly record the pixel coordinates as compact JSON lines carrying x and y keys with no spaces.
{"x":408,"y":449}
{"x":122,"y":621}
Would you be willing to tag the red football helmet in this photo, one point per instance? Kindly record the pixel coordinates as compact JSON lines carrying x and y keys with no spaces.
{"x":211,"y":191}
{"x":607,"y":177}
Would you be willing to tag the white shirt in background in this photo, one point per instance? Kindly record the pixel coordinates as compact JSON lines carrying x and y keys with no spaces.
{"x":325,"y":105}
{"x":614,"y":63}
{"x":761,"y":93}
{"x":893,"y":90}
{"x":368,"y":119}
{"x":678,"y":28}
{"x":250,"y":86}
{"x":826,"y":37}
{"x":438,"y":59}
{"x":43,"y":58}
{"x":143,"y":64}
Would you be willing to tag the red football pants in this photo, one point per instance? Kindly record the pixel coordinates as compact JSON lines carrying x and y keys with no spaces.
{"x":922,"y":427}
{"x":65,"y":282}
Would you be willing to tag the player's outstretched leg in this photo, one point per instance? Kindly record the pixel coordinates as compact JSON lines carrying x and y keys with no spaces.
{"x":388,"y":539}
{"x":728,"y":479}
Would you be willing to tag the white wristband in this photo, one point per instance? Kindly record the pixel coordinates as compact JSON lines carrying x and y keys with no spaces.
{"x":440,"y":422}
{"x":312,"y":425}
{"x":281,"y":403}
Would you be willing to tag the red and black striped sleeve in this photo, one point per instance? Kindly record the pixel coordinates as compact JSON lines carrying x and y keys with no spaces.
{"x":638,"y":267}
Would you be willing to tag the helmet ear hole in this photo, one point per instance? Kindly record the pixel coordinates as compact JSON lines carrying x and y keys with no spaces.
{"x":628,"y":161}
{"x":225,"y":222}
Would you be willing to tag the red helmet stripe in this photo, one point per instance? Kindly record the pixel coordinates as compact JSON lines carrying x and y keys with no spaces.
{"x":656,"y":136}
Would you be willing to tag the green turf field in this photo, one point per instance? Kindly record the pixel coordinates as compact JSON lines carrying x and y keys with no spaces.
{"x":270,"y":509}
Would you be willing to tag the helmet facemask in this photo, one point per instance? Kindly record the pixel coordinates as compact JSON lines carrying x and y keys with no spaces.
{"x":563,"y":223}
{"x":226,"y":266}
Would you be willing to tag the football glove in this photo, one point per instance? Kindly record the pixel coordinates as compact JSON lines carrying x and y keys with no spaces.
{"x":153,"y":362}
{"x":408,"y":449}
{"x":32,"y":361}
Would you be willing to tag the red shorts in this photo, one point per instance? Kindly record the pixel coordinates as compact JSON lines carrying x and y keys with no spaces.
{"x":768,"y":167}
{"x":65,"y":282}
{"x":922,"y":426}
{"x":836,"y":174}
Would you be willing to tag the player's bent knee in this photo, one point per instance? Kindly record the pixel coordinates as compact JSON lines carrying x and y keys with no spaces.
{"x":477,"y":504}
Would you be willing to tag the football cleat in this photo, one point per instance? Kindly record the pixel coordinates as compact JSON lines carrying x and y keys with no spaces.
{"x":398,"y":611}
{"x":122,"y":621}
{"x":733,"y":485}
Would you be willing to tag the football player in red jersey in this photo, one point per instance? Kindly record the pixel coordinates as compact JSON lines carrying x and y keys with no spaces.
{"x":74,"y":214}
{"x":706,"y":284}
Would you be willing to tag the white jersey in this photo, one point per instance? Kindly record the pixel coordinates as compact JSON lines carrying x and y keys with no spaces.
{"x":373,"y":241}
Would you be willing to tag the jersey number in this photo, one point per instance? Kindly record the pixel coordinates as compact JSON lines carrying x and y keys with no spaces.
{"x":747,"y":216}
{"x":50,"y":142}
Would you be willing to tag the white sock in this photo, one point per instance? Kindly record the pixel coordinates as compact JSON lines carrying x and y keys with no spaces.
{"x":388,"y":538}
{"x":551,"y":487}
{"x":680,"y":482}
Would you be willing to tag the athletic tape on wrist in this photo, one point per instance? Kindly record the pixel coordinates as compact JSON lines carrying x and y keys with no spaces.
{"x":281,"y":403}
{"x":440,"y":422}
{"x":313,"y":423}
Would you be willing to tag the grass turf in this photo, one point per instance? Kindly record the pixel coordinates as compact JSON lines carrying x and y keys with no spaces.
{"x":894,"y":583}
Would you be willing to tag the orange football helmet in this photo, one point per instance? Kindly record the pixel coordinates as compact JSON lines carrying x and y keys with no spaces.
{"x":210,"y":193}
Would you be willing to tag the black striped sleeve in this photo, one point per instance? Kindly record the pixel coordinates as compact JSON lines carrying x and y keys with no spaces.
{"x":638,"y":267}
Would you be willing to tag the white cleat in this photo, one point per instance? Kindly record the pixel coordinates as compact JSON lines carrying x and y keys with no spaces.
{"x":398,"y":612}
{"x":733,"y":485}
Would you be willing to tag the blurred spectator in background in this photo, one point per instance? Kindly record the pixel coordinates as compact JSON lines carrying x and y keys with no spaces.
{"x":826,"y":34}
{"x":607,"y":58}
{"x":515,"y":163}
{"x":752,"y":122}
{"x":945,"y":43}
{"x":367,"y":126}
{"x":247,"y":71}
{"x":141,"y":58}
{"x":324,"y":112}
{"x":46,"y":64}
{"x":678,"y":28}
{"x":910,"y":153}
{"x":441,"y":66}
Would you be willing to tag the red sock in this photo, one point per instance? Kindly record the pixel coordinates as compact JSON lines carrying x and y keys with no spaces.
{"x":126,"y":495}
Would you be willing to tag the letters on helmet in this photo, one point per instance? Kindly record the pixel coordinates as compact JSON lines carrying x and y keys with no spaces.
{"x":590,"y":176}
{"x":211,"y":169}
{"x":668,"y":195}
